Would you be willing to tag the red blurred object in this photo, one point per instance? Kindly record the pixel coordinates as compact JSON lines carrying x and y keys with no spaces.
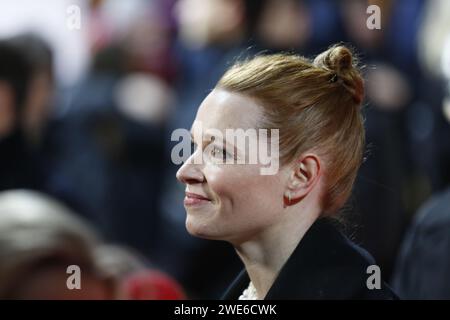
{"x":152,"y":285}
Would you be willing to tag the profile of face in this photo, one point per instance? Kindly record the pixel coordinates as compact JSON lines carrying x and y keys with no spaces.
{"x":230,"y":202}
{"x":319,"y":142}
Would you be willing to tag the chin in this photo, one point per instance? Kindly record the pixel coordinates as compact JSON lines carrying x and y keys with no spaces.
{"x":200,"y":229}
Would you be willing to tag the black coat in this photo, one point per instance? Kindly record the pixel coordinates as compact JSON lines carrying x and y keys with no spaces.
{"x":423,"y":266}
{"x":325,"y":265}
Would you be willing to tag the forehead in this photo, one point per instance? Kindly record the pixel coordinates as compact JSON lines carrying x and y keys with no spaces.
{"x":222,"y":110}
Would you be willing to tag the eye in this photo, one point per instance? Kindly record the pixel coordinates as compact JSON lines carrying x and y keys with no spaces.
{"x":217,"y":152}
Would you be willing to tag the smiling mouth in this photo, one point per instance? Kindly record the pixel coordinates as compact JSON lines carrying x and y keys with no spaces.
{"x":193,"y":199}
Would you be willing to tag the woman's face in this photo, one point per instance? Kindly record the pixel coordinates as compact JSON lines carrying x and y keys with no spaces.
{"x":231,"y":202}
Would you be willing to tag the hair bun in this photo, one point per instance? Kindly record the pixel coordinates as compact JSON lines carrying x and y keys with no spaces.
{"x":336,"y":58}
{"x":339,"y":61}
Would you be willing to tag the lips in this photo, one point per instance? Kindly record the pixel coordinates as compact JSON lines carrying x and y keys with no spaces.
{"x":194,"y":199}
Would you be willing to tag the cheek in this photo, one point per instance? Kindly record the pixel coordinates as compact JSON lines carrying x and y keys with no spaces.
{"x":241,"y":188}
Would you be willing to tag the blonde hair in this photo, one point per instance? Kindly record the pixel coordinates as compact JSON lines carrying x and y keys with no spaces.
{"x":315,"y":105}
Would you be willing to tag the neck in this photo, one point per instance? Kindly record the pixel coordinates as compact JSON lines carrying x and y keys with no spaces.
{"x":265,"y":254}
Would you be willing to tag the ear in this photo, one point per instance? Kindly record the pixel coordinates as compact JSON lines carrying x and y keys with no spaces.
{"x":303,"y":176}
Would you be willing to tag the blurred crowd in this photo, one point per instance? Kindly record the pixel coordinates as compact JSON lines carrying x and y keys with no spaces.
{"x":96,"y":152}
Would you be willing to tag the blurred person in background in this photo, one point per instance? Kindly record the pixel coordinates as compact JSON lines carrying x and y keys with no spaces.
{"x":434,"y":57}
{"x":26,"y":95}
{"x":103,"y":149}
{"x":37,"y":108}
{"x":111,"y":136}
{"x":423,"y":264}
{"x":17,"y":167}
{"x":30,"y":150}
{"x":40,"y":239}
{"x":136,"y":278}
{"x":285,"y":25}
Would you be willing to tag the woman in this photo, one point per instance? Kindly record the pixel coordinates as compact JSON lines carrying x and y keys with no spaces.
{"x":279,"y":223}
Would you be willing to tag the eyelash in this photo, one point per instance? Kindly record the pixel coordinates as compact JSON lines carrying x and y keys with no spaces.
{"x":222,"y":151}
{"x":225,"y":155}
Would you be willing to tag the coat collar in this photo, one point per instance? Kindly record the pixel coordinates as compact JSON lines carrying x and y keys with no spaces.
{"x":324,"y":265}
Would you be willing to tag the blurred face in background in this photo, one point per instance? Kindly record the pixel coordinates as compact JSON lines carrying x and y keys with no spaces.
{"x":284,"y":24}
{"x":37,"y":105}
{"x":231,"y":202}
{"x":7,"y":115}
{"x":213,"y":21}
{"x":354,"y":16}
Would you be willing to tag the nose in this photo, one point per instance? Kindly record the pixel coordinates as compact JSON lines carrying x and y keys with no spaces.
{"x":190,"y":173}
